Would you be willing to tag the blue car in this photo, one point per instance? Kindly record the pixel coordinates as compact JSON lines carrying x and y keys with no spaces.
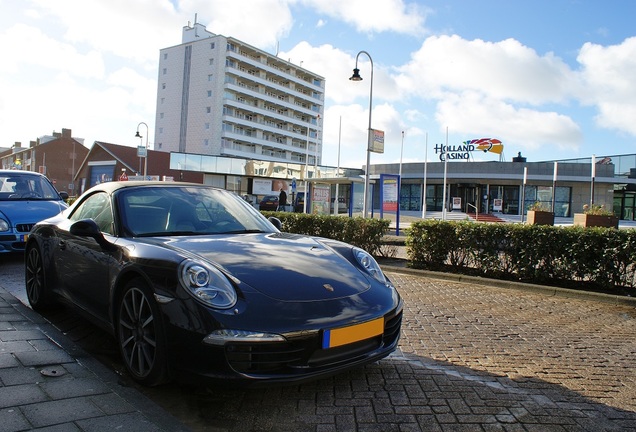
{"x":26,"y":198}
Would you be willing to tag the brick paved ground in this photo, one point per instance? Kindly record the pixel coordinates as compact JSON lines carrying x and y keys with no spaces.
{"x":549,"y":359}
{"x":471,"y":358}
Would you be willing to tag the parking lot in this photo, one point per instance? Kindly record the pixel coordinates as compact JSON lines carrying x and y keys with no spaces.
{"x":472,"y":357}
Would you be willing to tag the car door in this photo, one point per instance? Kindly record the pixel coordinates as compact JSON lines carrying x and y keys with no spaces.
{"x":83,"y":264}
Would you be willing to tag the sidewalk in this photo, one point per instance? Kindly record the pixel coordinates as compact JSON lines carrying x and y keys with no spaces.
{"x":48,"y":382}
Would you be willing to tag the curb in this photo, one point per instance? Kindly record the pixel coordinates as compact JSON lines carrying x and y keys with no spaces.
{"x":521,"y":286}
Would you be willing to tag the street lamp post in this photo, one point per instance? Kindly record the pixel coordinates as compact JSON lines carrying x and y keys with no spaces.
{"x":356,"y":77}
{"x":554,"y":182}
{"x":306,"y":173}
{"x":138,"y":135}
{"x":400,"y":171}
{"x":593,"y":176}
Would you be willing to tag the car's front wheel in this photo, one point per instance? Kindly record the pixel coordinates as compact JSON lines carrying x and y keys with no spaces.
{"x":140,"y":334}
{"x":38,"y":293}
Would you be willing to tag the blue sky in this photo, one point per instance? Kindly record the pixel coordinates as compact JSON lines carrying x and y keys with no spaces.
{"x":552,"y":79}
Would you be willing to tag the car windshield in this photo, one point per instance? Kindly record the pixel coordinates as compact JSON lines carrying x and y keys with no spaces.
{"x":26,"y":186}
{"x":186,"y":210}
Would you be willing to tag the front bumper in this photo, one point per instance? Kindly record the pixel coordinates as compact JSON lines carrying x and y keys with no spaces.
{"x":299,"y":358}
{"x":14,"y":242}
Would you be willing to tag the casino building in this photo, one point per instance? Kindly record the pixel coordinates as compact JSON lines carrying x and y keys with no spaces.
{"x":484,"y":187}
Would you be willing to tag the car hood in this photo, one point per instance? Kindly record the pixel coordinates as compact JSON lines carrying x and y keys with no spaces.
{"x":282,"y":266}
{"x":30,"y":211}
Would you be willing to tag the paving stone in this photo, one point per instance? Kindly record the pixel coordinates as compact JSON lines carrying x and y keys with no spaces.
{"x":8,"y":361}
{"x":60,"y":411}
{"x":11,"y":419}
{"x":17,"y":346}
{"x":17,"y":335}
{"x":44,"y":358}
{"x":20,"y":375}
{"x":64,"y":427}
{"x":60,"y":388}
{"x":14,"y":396}
{"x":123,"y":422}
{"x":111,"y":403}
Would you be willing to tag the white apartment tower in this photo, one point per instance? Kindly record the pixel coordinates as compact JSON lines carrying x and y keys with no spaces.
{"x":219,"y":96}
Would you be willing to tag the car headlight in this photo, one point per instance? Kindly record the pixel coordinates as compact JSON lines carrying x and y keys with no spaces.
{"x":4,"y":225}
{"x":207,"y":284}
{"x":371,"y":266}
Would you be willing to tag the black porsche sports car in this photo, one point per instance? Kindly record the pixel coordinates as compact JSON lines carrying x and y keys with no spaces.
{"x":192,"y":281}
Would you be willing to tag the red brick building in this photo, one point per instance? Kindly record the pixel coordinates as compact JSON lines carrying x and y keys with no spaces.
{"x":57,"y":156}
{"x":107,"y":162}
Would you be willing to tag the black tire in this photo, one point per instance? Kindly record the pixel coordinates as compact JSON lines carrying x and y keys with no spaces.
{"x":38,"y":293}
{"x":140,"y":335}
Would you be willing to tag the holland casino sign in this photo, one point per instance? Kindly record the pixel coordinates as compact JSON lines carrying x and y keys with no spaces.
{"x":462,"y":152}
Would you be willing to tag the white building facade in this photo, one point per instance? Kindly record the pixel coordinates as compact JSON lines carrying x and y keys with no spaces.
{"x":219,"y":96}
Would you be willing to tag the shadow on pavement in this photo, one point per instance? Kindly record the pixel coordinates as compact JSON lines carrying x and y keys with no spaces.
{"x":402,"y":392}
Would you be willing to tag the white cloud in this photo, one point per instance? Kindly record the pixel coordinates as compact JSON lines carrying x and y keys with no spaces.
{"x":609,"y":84}
{"x":336,"y":66}
{"x":504,"y":70}
{"x":261,"y":23}
{"x":133,"y":30}
{"x":472,"y":114}
{"x":380,"y":16}
{"x":28,"y":47}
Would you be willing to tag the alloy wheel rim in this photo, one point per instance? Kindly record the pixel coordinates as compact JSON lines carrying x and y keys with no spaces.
{"x":137,"y":332}
{"x":33,"y":275}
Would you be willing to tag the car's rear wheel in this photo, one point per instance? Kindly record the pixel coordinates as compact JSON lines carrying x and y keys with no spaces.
{"x":140,"y":334}
{"x":38,"y":293}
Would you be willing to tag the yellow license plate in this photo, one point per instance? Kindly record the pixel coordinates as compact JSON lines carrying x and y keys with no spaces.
{"x":346,"y":335}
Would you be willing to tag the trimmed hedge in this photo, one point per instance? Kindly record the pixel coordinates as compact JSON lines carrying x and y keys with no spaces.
{"x":364,"y":233}
{"x":566,"y":256}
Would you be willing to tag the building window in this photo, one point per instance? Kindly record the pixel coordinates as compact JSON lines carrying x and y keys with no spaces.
{"x":210,"y":77}
{"x":211,"y":61}
{"x":160,"y":130}
{"x":206,"y":142}
{"x":165,"y":71}
{"x":208,"y":110}
{"x":163,"y":100}
{"x":209,"y":93}
{"x":212,"y":45}
{"x":165,"y":56}
{"x":160,"y":115}
{"x":207,"y":125}
{"x":163,"y":86}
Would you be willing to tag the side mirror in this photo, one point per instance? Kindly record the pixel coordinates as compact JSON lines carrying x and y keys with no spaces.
{"x":63,"y":195}
{"x":276,"y":222}
{"x":88,"y":228}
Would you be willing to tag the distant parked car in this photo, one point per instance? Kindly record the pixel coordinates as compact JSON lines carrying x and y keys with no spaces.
{"x":269,"y":203}
{"x":26,"y":197}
